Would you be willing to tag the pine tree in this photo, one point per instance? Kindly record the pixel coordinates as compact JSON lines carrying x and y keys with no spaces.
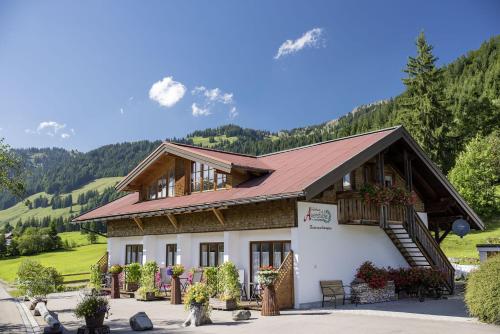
{"x":425,"y":114}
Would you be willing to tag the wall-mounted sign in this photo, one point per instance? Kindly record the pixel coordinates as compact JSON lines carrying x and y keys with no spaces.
{"x":318,"y":218}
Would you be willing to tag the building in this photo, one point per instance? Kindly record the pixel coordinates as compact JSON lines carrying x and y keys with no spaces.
{"x":200,"y":207}
{"x":487,"y":250}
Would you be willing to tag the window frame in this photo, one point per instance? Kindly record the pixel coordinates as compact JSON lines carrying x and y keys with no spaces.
{"x":218,"y":253}
{"x":168,"y":249}
{"x":134,"y":249}
{"x":271,"y":253}
{"x":198,"y":178}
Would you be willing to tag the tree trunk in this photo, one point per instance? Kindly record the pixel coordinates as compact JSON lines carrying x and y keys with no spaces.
{"x":176,"y":291}
{"x":270,"y":305}
{"x":115,"y":286}
{"x":197,"y":316}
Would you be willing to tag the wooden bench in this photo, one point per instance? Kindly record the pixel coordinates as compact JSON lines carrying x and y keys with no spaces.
{"x":333,"y":291}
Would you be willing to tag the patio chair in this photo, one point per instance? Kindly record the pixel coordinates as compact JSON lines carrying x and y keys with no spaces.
{"x":165,"y":281}
{"x":241,"y":281}
{"x":333,"y":291}
{"x":197,"y":276}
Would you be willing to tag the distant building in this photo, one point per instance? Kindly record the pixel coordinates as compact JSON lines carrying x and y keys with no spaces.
{"x":487,"y":250}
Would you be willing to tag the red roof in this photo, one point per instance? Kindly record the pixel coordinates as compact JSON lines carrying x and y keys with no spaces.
{"x":293,"y":171}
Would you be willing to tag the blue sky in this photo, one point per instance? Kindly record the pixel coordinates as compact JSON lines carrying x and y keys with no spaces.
{"x":83,"y":74}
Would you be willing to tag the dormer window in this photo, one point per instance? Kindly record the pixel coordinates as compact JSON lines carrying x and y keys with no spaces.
{"x":206,"y":178}
{"x":163,"y":187}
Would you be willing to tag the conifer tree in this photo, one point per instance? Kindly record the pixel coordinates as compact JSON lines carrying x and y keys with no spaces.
{"x":424,"y":113}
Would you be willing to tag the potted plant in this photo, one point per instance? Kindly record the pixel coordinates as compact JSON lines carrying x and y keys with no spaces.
{"x":115,"y":270}
{"x":228,"y":287}
{"x":93,"y":308}
{"x":196,"y":302}
{"x":148,"y":289}
{"x":266,"y":277}
{"x":95,"y":281}
{"x":176,"y":271}
{"x":374,"y":193}
{"x":132,"y":276}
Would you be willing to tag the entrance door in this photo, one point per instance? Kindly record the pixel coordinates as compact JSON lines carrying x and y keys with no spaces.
{"x":267,"y":253}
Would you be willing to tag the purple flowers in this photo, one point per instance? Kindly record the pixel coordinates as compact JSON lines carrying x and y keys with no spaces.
{"x":170,"y":272}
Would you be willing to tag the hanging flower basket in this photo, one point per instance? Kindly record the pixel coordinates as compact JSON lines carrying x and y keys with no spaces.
{"x":374,"y":193}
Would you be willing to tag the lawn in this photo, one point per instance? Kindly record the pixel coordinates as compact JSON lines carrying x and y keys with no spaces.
{"x":465,"y":249}
{"x":71,"y":261}
{"x":79,"y":239}
{"x":205,"y":141}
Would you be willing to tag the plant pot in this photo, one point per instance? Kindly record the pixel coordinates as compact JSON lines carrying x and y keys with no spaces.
{"x":270,"y":305}
{"x":96,"y":321}
{"x":132,"y":286}
{"x":115,"y":286}
{"x":226,"y":305}
{"x":175,"y":297}
{"x":150,"y":296}
{"x":198,"y":315}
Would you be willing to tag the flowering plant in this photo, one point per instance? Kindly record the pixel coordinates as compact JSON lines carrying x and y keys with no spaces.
{"x":196,"y":293}
{"x":374,"y":193}
{"x":267,"y":275}
{"x":410,"y":279}
{"x":177,"y":270}
{"x":90,"y":306}
{"x":115,"y":269}
{"x":375,"y":277}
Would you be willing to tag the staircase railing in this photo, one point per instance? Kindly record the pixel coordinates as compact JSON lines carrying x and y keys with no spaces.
{"x":419,"y":233}
{"x":103,"y":263}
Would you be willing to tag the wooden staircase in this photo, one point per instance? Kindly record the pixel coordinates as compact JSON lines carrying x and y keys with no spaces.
{"x":419,"y":248}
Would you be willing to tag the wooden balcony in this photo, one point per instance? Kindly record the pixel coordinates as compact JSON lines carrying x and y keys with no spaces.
{"x":354,"y":210}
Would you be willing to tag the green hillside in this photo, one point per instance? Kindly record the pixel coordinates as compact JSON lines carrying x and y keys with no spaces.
{"x":21,"y":211}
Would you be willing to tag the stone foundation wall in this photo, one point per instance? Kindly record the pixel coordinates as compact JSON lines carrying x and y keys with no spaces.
{"x":363,"y":294}
{"x":266,"y":215}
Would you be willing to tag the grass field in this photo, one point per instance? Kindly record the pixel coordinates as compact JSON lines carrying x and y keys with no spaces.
{"x":14,"y":213}
{"x":79,"y":239}
{"x":465,"y":249}
{"x":76,"y":260}
{"x":205,"y":141}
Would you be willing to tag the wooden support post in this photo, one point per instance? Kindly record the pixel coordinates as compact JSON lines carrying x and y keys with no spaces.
{"x":446,"y":232}
{"x":409,"y":186}
{"x":381,"y":180}
{"x":219,"y":216}
{"x":173,"y":220}
{"x":139,"y":223}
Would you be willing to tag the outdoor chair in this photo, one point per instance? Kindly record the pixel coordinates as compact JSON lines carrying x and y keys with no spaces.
{"x":165,"y":281}
{"x":241,"y":281}
{"x":333,"y":291}
{"x":197,"y":277}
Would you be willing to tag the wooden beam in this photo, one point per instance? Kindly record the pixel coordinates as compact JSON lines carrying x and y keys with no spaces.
{"x":441,"y":238}
{"x":173,"y":220}
{"x":219,"y":216}
{"x":139,"y":223}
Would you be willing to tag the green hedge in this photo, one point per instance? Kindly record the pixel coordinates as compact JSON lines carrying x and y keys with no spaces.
{"x":482,"y":294}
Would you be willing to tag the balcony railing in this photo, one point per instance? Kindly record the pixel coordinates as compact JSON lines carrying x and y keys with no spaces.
{"x":353,"y":209}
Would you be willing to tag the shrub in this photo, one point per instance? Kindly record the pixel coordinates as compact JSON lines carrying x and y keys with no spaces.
{"x":133,"y":272}
{"x":95,"y":277}
{"x":267,"y":275}
{"x":90,"y":306}
{"x":228,"y":285}
{"x":482,"y":294}
{"x":210,"y":278}
{"x":35,"y":280}
{"x":148,"y":279}
{"x":375,"y":277}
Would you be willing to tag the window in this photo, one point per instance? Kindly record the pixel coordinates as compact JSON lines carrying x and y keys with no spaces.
{"x":221,"y":180}
{"x":171,"y":258}
{"x":162,"y":187}
{"x":267,"y":253}
{"x":208,"y":178}
{"x":211,"y":254}
{"x":388,"y":180}
{"x":196,"y":169}
{"x":152,"y":192}
{"x":133,"y":253}
{"x":171,"y":183}
{"x":346,"y":182}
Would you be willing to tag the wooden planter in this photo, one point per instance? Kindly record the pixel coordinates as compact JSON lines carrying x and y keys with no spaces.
{"x":270,"y":305}
{"x":176,"y":291}
{"x":95,"y":321}
{"x":225,"y":305}
{"x":132,"y":287}
{"x":115,"y":286}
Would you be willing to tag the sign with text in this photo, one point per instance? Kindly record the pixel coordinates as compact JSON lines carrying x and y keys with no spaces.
{"x":316,"y":216}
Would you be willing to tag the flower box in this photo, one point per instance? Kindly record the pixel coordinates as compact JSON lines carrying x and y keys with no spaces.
{"x":225,"y":305}
{"x":362,"y":293}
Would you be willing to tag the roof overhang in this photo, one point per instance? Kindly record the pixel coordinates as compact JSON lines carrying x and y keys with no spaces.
{"x":399,"y":133}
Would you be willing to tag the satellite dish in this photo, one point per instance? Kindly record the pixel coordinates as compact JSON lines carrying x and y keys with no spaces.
{"x":460,"y":227}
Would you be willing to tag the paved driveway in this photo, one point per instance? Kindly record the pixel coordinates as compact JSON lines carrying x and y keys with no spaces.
{"x":11,"y":320}
{"x":406,"y":316}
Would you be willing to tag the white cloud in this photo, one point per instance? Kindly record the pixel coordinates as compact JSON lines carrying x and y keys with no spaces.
{"x":233,"y":113}
{"x":65,"y":135}
{"x":167,"y":92}
{"x":199,"y":111}
{"x":122,"y":111}
{"x":311,"y":38}
{"x":52,"y":129}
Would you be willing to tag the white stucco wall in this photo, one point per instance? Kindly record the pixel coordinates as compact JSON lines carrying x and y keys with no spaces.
{"x":116,"y":248}
{"x":325,"y":250}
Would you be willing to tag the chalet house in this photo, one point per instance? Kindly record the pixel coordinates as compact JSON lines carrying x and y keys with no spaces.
{"x":201,"y":207}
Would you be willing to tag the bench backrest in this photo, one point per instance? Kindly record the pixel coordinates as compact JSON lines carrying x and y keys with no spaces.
{"x":330,"y":288}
